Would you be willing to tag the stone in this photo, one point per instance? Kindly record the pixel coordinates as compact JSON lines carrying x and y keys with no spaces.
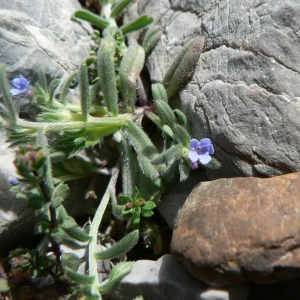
{"x":41,"y":34}
{"x":175,"y":195}
{"x":241,"y":229}
{"x":165,"y":279}
{"x":244,"y":94}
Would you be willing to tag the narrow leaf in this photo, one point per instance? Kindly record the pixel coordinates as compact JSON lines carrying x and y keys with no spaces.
{"x":181,"y":135}
{"x":151,"y":38}
{"x":106,"y":72}
{"x":183,"y":120}
{"x":78,"y":234}
{"x":120,"y":248}
{"x":117,"y":273}
{"x":54,"y":84}
{"x":92,"y":18}
{"x":84,"y":91}
{"x":117,"y":9}
{"x":129,"y":167}
{"x":141,"y":22}
{"x":165,"y":112}
{"x":130,"y":68}
{"x":183,"y":66}
{"x":184,"y":170}
{"x":65,"y":88}
{"x":77,"y":277}
{"x":42,"y":80}
{"x":159,"y":92}
{"x":8,"y":101}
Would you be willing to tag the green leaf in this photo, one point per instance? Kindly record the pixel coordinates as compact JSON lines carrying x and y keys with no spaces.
{"x":183,"y":120}
{"x":181,"y":135}
{"x":91,"y":17}
{"x":159,"y":92}
{"x":42,"y":227}
{"x":138,"y":24}
{"x":165,"y":112}
{"x":54,"y":84}
{"x":8,"y":101}
{"x":184,"y":170}
{"x":42,"y":80}
{"x":84,"y":91}
{"x":4,"y":286}
{"x":121,"y":247}
{"x":135,"y":220}
{"x":129,"y":167}
{"x":77,"y":233}
{"x":118,"y":7}
{"x":36,"y":202}
{"x":106,"y":72}
{"x":57,"y":235}
{"x":124,"y":199}
{"x":147,"y":213}
{"x":117,"y":273}
{"x":151,"y":38}
{"x":65,"y":88}
{"x":214,"y":164}
{"x":77,"y":277}
{"x":70,"y":260}
{"x":183,"y":66}
{"x":149,"y":205}
{"x":62,"y":191}
{"x":130,"y":68}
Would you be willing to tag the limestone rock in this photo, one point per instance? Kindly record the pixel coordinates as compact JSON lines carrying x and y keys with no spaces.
{"x":240,"y":229}
{"x":36,"y":34}
{"x":165,"y":279}
{"x":244,"y":94}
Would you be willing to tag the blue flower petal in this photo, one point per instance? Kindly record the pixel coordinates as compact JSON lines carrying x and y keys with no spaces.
{"x":204,"y":159}
{"x":15,"y":92}
{"x":194,"y":144}
{"x":193,"y":156}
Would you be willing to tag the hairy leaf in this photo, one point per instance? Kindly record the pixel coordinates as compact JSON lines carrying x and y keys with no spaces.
{"x":151,"y":38}
{"x":121,"y":247}
{"x":117,"y":273}
{"x":118,"y":7}
{"x":183,"y":66}
{"x":106,"y":72}
{"x":91,"y":17}
{"x":78,"y":234}
{"x":77,"y":277}
{"x":84,"y":91}
{"x":65,"y":87}
{"x":138,"y":24}
{"x":159,"y":92}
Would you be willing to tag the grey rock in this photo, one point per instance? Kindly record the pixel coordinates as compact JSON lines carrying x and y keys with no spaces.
{"x":244,"y":94}
{"x":36,"y":34}
{"x":165,"y":279}
{"x":241,"y":229}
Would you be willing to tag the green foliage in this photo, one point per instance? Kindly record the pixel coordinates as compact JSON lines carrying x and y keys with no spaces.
{"x":151,"y":38}
{"x":139,"y":23}
{"x":130,"y":68}
{"x":136,"y":206}
{"x":183,"y":66}
{"x":91,"y":17}
{"x":117,"y":273}
{"x":120,"y":248}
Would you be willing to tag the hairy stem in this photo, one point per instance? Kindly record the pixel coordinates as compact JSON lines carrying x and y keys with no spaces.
{"x":92,"y":263}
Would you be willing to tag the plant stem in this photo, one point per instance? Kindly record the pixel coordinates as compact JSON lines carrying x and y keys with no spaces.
{"x":55,"y":246}
{"x":92,"y":262}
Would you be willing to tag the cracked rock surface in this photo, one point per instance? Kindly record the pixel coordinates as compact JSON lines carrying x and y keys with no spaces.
{"x":40,"y":33}
{"x":240,"y":229}
{"x":244,"y":94}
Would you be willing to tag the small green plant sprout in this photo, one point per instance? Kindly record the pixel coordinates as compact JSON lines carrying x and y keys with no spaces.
{"x":136,"y":206}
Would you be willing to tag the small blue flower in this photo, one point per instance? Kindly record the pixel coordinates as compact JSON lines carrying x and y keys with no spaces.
{"x":21,"y":85}
{"x":200,"y":151}
{"x":14,"y":182}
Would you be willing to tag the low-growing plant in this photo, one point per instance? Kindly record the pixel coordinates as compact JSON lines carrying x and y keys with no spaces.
{"x":110,"y":108}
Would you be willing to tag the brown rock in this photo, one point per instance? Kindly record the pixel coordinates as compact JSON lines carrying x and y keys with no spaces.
{"x":240,"y":229}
